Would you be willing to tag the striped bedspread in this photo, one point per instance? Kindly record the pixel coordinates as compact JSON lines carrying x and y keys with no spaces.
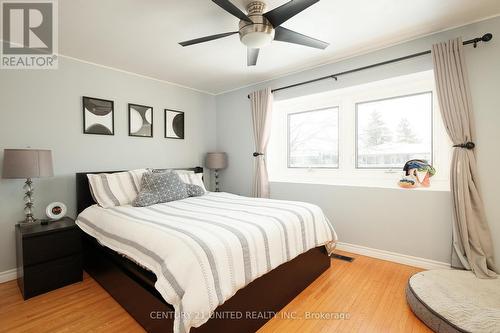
{"x":204,"y":249}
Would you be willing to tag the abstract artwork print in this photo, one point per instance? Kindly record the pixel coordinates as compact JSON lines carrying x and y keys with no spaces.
{"x":98,"y":116}
{"x":140,"y":120}
{"x":174,"y":124}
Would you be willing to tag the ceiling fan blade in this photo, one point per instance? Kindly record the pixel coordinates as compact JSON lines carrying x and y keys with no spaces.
{"x":283,"y":13}
{"x":207,"y":38}
{"x":252,"y":56}
{"x":232,"y":9}
{"x":289,"y":36}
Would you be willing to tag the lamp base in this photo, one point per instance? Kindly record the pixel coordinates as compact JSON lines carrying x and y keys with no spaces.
{"x":28,"y":199}
{"x":30,"y":219}
{"x":217,"y":189}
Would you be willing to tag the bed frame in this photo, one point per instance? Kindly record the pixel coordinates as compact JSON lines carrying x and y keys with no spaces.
{"x":133,"y":287}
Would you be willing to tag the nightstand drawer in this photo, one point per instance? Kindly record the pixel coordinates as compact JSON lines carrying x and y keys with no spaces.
{"x":39,"y":249}
{"x":51,"y":275}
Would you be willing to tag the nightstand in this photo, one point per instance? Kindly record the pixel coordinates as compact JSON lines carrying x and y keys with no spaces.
{"x":48,"y":256}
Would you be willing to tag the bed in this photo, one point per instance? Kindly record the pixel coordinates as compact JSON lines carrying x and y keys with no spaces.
{"x":200,"y":239}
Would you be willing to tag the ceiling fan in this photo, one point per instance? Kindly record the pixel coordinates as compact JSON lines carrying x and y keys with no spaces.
{"x":257,"y":29}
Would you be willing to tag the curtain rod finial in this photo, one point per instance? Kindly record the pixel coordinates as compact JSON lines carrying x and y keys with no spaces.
{"x":487,"y":37}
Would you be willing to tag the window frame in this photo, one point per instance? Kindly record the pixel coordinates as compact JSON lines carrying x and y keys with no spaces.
{"x":356,"y":132}
{"x":345,"y":98}
{"x":289,"y":114}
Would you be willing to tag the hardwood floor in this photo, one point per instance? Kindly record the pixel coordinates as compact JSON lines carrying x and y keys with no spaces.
{"x":369,"y":291}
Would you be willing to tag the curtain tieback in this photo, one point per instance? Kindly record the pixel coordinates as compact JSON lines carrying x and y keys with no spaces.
{"x":468,"y":145}
{"x":257,"y":154}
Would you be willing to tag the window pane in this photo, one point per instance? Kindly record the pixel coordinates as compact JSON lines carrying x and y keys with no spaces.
{"x":313,"y":138}
{"x":393,"y":131}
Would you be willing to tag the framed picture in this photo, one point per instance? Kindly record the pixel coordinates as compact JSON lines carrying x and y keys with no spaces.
{"x":98,"y":116}
{"x":174,"y":124}
{"x":140,"y":120}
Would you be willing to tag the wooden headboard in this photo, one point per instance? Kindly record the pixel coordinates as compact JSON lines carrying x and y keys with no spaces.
{"x":84,"y":198}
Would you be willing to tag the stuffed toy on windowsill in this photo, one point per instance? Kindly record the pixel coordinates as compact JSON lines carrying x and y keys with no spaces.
{"x":417,"y":174}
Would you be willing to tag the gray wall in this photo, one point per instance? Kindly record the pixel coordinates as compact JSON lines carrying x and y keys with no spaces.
{"x":415,"y":223}
{"x":42,"y":109}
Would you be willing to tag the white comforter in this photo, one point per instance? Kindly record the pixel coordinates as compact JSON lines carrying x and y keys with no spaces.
{"x":204,"y":249}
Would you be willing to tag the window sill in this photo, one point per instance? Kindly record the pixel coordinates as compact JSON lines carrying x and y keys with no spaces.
{"x":436,"y":185}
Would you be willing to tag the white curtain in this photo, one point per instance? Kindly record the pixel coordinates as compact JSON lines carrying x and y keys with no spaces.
{"x":472,"y":244}
{"x":262,"y":105}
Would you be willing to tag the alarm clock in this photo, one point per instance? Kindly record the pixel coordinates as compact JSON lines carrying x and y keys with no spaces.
{"x":56,"y":211}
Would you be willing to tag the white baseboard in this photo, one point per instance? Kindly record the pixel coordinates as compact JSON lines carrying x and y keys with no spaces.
{"x":9,"y":275}
{"x":392,"y":256}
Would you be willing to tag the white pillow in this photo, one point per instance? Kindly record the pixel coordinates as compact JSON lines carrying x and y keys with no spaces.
{"x":189,"y":177}
{"x":184,"y":175}
{"x":115,"y":189}
{"x":197,"y":179}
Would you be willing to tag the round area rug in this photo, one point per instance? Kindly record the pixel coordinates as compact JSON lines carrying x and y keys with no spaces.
{"x":455,"y":301}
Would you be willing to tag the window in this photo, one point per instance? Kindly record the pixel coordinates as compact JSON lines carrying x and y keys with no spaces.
{"x":359,"y":135}
{"x":313,"y":139}
{"x":391,"y":131}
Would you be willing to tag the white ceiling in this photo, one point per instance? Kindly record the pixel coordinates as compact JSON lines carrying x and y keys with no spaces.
{"x":141,"y":36}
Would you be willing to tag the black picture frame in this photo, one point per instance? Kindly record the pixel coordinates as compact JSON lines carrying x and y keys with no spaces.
{"x":98,"y":130}
{"x":178,"y":126}
{"x":150,"y":135}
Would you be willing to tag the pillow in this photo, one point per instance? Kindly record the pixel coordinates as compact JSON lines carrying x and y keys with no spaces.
{"x":197,"y":179}
{"x":194,"y":190}
{"x":187,"y":176}
{"x":115,"y":189}
{"x":184,"y":174}
{"x":160,"y":187}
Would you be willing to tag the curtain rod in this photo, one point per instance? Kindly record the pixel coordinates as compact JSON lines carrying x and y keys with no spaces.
{"x":486,"y":38}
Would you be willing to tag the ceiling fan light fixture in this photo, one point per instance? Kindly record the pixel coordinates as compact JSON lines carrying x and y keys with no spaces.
{"x":258,"y":29}
{"x":259,"y":32}
{"x":257,"y":39}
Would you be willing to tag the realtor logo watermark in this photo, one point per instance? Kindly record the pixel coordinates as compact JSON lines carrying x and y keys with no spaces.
{"x":29,"y":35}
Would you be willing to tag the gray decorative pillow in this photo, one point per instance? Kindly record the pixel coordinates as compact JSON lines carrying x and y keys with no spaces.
{"x":194,"y":190}
{"x":160,"y":187}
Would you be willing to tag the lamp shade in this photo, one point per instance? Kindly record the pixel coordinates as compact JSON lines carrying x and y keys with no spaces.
{"x":216,"y":161}
{"x":27,"y":163}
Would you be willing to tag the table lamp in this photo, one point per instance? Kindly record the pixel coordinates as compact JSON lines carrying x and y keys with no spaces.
{"x":216,"y":162}
{"x":27,"y":164}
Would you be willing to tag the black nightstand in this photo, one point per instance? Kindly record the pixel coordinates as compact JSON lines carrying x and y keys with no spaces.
{"x":48,"y":256}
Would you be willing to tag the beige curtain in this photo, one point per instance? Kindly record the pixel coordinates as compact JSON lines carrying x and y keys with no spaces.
{"x":262,"y":105}
{"x":472,"y":245}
